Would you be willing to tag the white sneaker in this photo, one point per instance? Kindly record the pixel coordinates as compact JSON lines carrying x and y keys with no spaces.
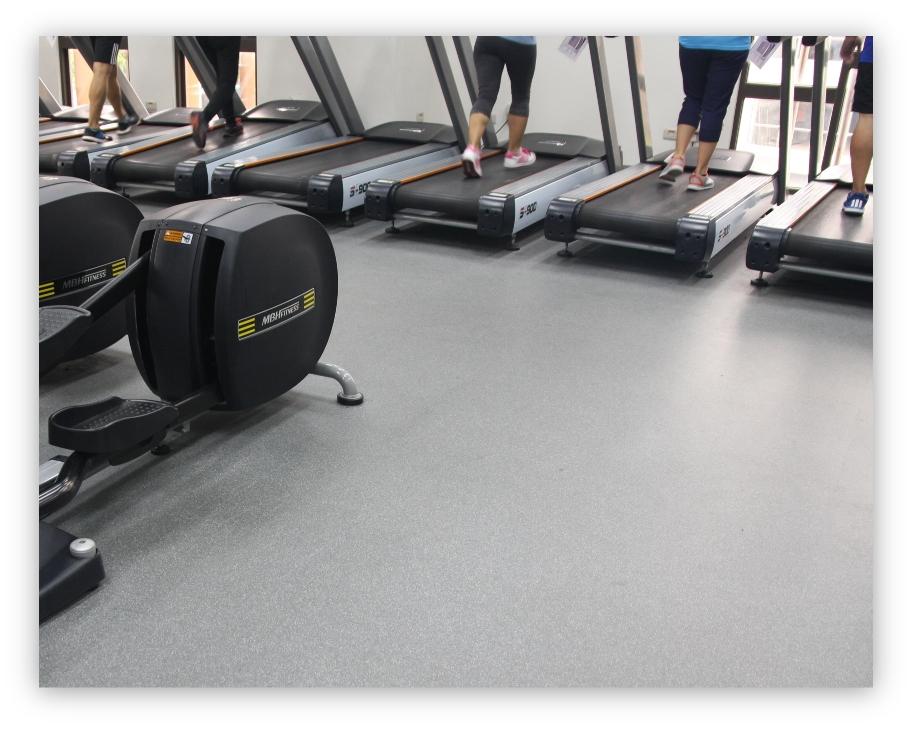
{"x":471,"y":161}
{"x":524,"y":157}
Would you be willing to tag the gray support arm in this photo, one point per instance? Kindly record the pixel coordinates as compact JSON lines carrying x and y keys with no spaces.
{"x":638,"y":95}
{"x":306,"y":49}
{"x":448,"y":87}
{"x":603,"y":97}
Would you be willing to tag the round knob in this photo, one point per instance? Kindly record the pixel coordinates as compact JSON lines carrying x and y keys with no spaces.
{"x":83,"y":547}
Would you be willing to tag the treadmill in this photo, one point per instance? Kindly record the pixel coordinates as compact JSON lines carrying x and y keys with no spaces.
{"x":66,"y":153}
{"x":630,"y":208}
{"x":809,"y":233}
{"x":332,"y":175}
{"x":73,"y":119}
{"x":504,"y":201}
{"x":174,"y":163}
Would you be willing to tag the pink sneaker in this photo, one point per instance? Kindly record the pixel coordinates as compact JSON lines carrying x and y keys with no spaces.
{"x":524,"y":157}
{"x":700,"y":182}
{"x":673,"y":169}
{"x":471,"y":161}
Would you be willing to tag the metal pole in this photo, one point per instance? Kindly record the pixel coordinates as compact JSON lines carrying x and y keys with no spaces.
{"x":818,"y":105}
{"x":448,"y":87}
{"x":603,"y":97}
{"x":786,"y":119}
{"x":836,"y":118}
{"x":309,"y":57}
{"x":131,"y":99}
{"x":191,"y":49}
{"x":638,"y":95}
{"x":336,"y":79}
{"x":467,"y":63}
{"x":739,"y":106}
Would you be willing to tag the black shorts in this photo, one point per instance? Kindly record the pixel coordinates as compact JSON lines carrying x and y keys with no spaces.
{"x":863,"y":101}
{"x":105,"y":48}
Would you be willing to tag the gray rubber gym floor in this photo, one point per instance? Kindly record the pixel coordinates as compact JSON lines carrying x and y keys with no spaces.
{"x":595,"y":471}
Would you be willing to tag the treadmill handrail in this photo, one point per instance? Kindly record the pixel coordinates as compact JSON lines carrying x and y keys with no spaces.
{"x":788,"y":214}
{"x":302,"y":152}
{"x":446,"y":168}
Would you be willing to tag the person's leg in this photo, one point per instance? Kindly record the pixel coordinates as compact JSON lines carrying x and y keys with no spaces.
{"x":489,"y":68}
{"x":228,"y":62}
{"x":722,"y":75}
{"x":862,"y":146}
{"x":113,"y":92}
{"x":520,"y":62}
{"x":862,"y":152}
{"x":693,"y":63}
{"x":98,"y":90}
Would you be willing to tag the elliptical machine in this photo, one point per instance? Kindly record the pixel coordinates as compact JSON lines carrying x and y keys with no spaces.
{"x":84,"y":237}
{"x":230,"y":303}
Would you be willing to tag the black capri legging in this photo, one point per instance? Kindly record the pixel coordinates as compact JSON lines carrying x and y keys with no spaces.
{"x":491,"y":54}
{"x":709,"y":80}
{"x":223,"y":53}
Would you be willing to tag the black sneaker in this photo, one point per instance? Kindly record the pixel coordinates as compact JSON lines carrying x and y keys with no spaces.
{"x":125,"y":124}
{"x":95,"y":135}
{"x":200,"y":129}
{"x":234,"y":129}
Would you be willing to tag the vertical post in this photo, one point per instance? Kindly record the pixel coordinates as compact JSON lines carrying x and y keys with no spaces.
{"x":308,"y":54}
{"x":786,"y":117}
{"x":191,"y":49}
{"x":448,"y":87}
{"x":131,"y":98}
{"x":739,"y":106}
{"x":603,"y":97}
{"x":833,"y":133}
{"x":638,"y":96}
{"x":467,"y":64}
{"x":336,"y":79}
{"x":818,"y":106}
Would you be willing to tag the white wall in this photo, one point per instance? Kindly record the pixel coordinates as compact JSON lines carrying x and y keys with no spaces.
{"x":152,"y":69}
{"x":391,"y":78}
{"x":49,"y":64}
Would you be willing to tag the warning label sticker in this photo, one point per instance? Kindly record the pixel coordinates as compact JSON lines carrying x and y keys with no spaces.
{"x":174,"y":236}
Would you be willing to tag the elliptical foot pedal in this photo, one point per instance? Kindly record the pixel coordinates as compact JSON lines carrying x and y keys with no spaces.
{"x":110,"y":426}
{"x":59,"y":328}
{"x":68,"y":568}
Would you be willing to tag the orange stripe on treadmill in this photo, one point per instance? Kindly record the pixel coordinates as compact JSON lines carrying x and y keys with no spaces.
{"x":445,"y":168}
{"x":618,"y":185}
{"x":299,"y":153}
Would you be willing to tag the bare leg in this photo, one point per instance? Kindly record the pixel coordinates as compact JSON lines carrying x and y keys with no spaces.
{"x":682,"y":139}
{"x":477,"y":124}
{"x":98,"y":89}
{"x":517,"y":127}
{"x":114,"y":97}
{"x":704,"y":155}
{"x":862,"y":151}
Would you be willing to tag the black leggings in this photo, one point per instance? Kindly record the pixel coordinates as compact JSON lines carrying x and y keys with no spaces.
{"x":223,"y":52}
{"x":491,"y":54}
{"x":709,"y":80}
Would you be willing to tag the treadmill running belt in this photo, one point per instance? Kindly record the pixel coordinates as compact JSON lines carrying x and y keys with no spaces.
{"x":159,"y":163}
{"x":50,"y":151}
{"x":454,"y":194}
{"x":292,"y":175}
{"x":647,"y":208}
{"x":827,"y":234}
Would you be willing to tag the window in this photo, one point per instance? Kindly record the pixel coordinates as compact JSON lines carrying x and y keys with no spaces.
{"x":191,"y":92}
{"x":77,"y":74}
{"x":759,"y":125}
